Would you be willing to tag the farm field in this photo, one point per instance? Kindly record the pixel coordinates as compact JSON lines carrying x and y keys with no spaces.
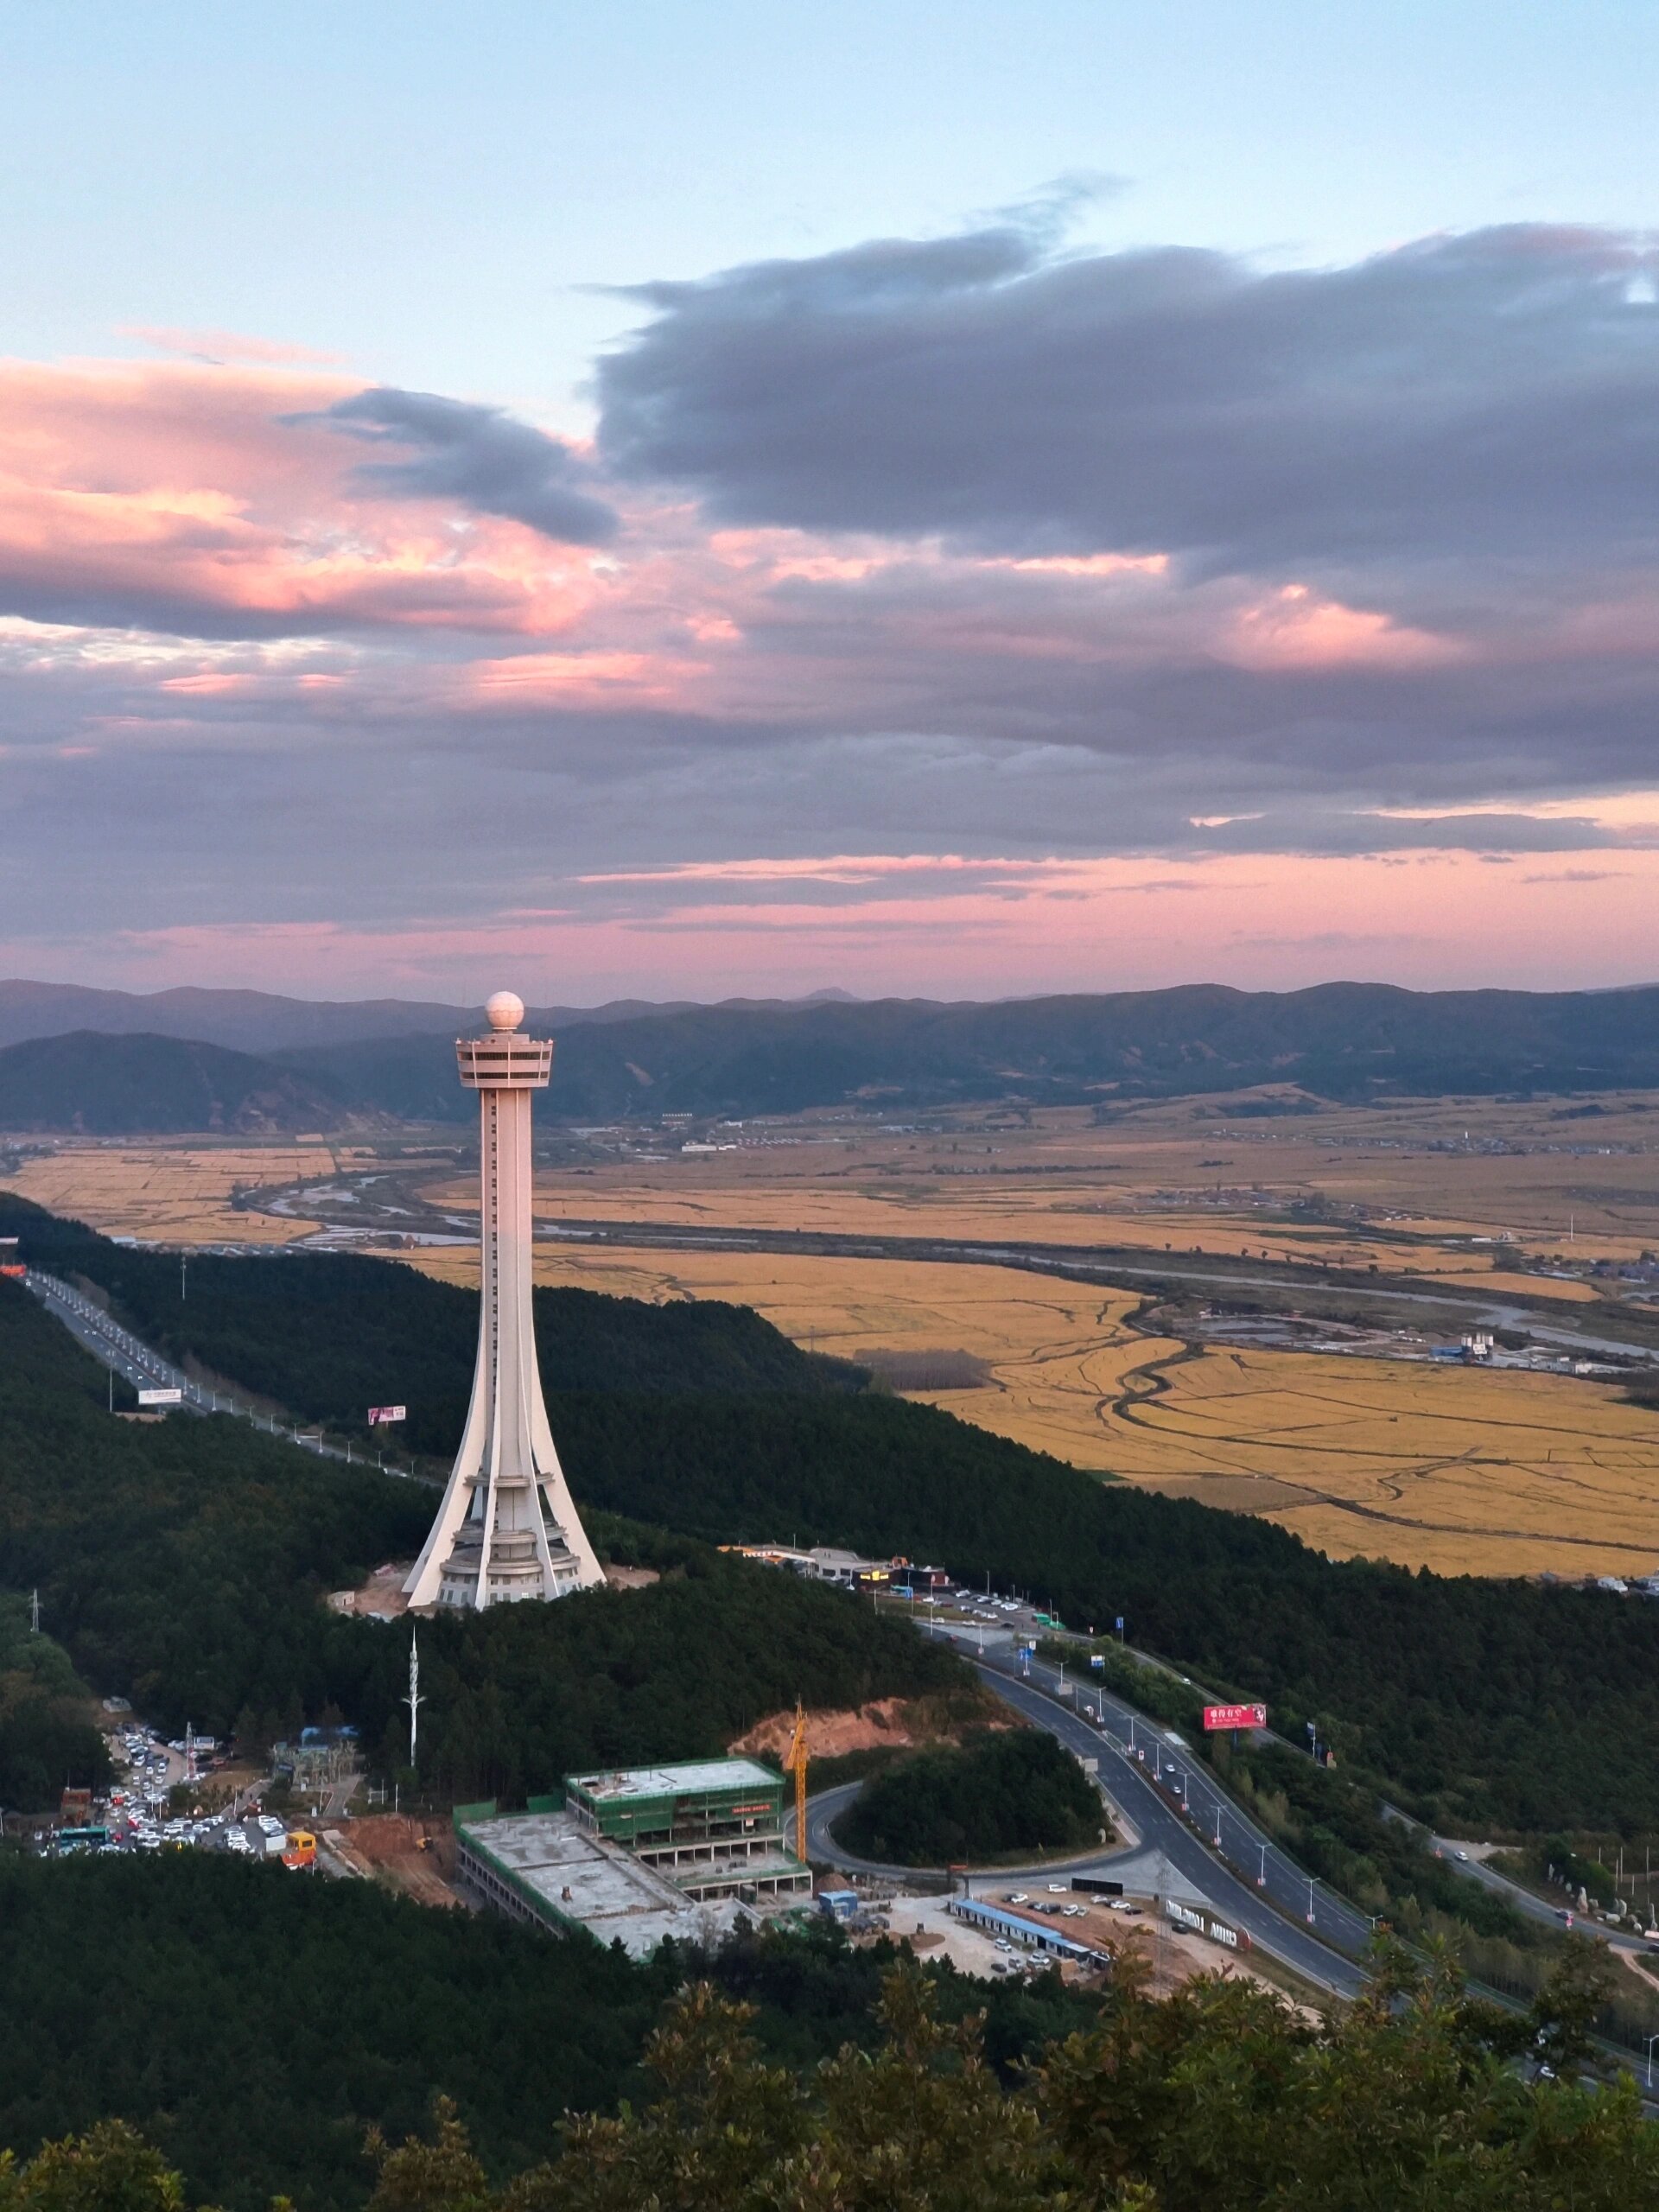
{"x":1405,"y":1187}
{"x":1461,"y":1470}
{"x":1413,"y":1188}
{"x":1075,"y":1215}
{"x":170,"y":1194}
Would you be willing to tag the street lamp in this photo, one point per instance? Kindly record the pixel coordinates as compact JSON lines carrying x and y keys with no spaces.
{"x":1261,"y":1878}
{"x":1310,"y":1900}
{"x":1651,"y":2040}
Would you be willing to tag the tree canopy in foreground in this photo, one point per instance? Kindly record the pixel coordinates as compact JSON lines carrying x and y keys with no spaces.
{"x":1222,"y":2099}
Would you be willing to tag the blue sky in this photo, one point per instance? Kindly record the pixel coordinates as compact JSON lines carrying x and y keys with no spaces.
{"x":428,"y":190}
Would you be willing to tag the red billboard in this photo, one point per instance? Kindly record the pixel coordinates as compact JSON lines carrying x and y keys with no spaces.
{"x":1235,"y":1716}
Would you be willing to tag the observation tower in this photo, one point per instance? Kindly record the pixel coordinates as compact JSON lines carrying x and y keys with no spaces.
{"x":506,"y":1529}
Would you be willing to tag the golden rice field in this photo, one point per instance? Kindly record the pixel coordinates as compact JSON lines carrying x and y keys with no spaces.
{"x":1065,"y":1216}
{"x":1488,"y":1472}
{"x":172,"y":1196}
{"x":1181,"y":1173}
{"x":1452,"y":1468}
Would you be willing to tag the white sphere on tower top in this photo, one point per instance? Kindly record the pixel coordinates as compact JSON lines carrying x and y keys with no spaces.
{"x":506,"y":1010}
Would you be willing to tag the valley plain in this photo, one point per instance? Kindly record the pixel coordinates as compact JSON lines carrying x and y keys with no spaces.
{"x":1527,"y":1205}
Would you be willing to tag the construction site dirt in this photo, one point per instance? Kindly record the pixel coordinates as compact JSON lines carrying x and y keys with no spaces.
{"x":410,"y":1853}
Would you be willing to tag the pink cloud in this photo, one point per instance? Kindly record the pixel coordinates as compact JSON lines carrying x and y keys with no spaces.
{"x":216,"y":345}
{"x":1277,"y":921}
{"x":178,"y":496}
{"x":1296,"y":627}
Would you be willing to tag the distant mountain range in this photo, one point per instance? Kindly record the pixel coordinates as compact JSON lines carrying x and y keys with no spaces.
{"x":260,"y":1022}
{"x":1339,"y":1040}
{"x":160,"y":1086}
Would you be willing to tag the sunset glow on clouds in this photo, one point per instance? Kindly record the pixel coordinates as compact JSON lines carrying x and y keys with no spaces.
{"x":988,"y":622}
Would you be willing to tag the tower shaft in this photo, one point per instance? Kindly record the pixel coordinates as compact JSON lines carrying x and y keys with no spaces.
{"x":507,"y":1528}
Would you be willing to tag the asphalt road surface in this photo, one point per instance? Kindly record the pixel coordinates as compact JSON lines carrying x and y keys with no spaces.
{"x":135,"y":1362}
{"x":1172,"y":1802}
{"x":1534,"y":1907}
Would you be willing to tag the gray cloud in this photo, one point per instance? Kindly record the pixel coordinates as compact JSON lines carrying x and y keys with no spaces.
{"x":1489,"y":399}
{"x":481,"y":457}
{"x":1467,"y":427}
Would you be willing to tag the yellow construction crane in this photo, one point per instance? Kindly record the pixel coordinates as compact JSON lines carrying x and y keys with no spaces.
{"x":796,"y":1764}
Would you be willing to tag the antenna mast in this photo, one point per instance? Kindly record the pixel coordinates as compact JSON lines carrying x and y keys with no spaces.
{"x":413,"y":1700}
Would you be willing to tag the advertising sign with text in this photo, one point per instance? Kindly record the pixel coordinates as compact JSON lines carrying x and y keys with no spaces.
{"x":1235,"y":1716}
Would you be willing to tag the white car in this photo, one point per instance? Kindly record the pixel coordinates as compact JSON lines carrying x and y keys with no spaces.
{"x":1057,"y":1889}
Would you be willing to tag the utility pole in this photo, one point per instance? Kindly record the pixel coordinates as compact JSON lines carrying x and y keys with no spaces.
{"x":35,"y":1611}
{"x":181,"y":1257}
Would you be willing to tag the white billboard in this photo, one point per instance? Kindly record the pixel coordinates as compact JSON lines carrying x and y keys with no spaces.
{"x":161,"y":1397}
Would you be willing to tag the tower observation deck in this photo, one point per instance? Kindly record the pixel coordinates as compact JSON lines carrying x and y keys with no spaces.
{"x":507,"y":1528}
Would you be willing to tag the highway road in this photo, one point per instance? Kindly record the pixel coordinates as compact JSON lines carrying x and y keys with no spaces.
{"x":1534,"y":1907}
{"x":1173,"y":1801}
{"x":138,"y":1364}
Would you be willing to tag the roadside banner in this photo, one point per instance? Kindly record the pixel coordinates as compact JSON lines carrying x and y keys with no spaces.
{"x":161,"y":1397}
{"x":1235,"y":1716}
{"x":1202,"y":1921}
{"x":379,"y":1415}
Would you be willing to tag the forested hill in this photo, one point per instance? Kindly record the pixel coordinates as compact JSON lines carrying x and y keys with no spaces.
{"x":184,"y":1565}
{"x":1340,"y":1041}
{"x":329,"y":1334}
{"x":1484,"y":1703}
{"x":161,"y":1086}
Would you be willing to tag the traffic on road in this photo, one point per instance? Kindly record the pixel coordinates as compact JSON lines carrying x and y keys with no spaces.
{"x":140,"y":1811}
{"x":139,"y":1364}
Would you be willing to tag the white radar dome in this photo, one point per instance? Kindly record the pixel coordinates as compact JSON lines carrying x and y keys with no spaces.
{"x":506,"y":1010}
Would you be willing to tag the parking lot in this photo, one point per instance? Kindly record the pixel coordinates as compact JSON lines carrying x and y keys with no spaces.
{"x":135,"y":1815}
